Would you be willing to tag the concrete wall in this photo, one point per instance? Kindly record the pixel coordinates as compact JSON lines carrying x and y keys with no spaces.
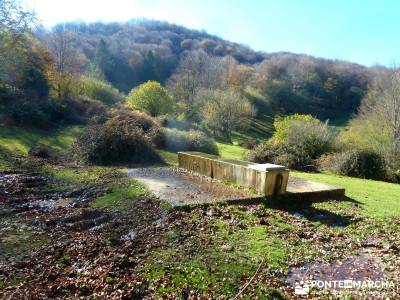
{"x":245,"y":174}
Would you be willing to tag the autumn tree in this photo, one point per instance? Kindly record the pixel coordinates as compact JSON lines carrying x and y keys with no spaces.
{"x":15,"y":24}
{"x":377,"y":125}
{"x":152,"y":98}
{"x":195,"y":72}
{"x":225,"y":111}
{"x":61,"y":43}
{"x":239,"y":76}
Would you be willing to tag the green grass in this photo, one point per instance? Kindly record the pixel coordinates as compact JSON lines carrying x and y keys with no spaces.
{"x":378,"y":199}
{"x":341,"y":121}
{"x":123,"y":190}
{"x":228,"y":151}
{"x":202,"y":265}
{"x":120,"y":199}
{"x":231,"y":151}
{"x":169,"y":157}
{"x":19,"y":242}
{"x":21,"y":140}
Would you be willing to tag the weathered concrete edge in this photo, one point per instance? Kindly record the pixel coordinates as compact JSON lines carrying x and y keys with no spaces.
{"x":264,"y":182}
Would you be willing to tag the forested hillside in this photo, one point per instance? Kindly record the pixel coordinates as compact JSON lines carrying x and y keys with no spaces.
{"x":127,"y":54}
{"x":167,"y":86}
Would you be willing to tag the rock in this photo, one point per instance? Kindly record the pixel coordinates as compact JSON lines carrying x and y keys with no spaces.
{"x":226,"y":248}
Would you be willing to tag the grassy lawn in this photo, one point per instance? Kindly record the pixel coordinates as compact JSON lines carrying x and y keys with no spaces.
{"x":378,"y":199}
{"x":231,"y":151}
{"x":21,"y":140}
{"x":215,"y":250}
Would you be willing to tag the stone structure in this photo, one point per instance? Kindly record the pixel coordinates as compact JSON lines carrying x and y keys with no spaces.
{"x":265,"y":179}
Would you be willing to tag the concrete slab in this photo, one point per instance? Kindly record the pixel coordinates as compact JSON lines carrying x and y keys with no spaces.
{"x":180,"y":187}
{"x":266,"y":167}
{"x":301,"y":187}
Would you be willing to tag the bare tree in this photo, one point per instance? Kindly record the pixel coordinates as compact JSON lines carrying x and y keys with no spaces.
{"x":196,"y":71}
{"x":61,"y":44}
{"x":225,"y":111}
{"x":381,"y":106}
{"x":15,"y":22}
{"x":14,"y":18}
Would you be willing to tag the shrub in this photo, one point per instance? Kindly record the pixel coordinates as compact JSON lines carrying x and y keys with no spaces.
{"x":40,"y":151}
{"x":297,"y":142}
{"x":248,"y":143}
{"x":150,"y":127}
{"x":100,"y":90}
{"x":177,"y":140}
{"x":81,"y":110}
{"x":114,"y":142}
{"x":264,"y":153}
{"x":152,"y":98}
{"x":133,"y":118}
{"x":326,"y":162}
{"x":359,"y":163}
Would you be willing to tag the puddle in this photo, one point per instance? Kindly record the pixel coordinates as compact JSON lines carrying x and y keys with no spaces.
{"x":27,"y":192}
{"x":180,"y":187}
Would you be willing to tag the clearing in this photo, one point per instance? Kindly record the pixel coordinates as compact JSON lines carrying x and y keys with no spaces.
{"x":91,"y":232}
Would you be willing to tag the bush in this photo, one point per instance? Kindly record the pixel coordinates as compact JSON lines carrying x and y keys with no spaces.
{"x":264,"y":153}
{"x":152,"y":98}
{"x":114,"y":142}
{"x":150,"y":127}
{"x":100,"y":90}
{"x":133,"y":118}
{"x":297,"y":142}
{"x":359,"y":163}
{"x":40,"y":152}
{"x":248,"y":143}
{"x":79,"y":110}
{"x":177,"y":140}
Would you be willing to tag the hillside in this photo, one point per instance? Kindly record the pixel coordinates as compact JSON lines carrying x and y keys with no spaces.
{"x":127,"y":54}
{"x":93,"y":205}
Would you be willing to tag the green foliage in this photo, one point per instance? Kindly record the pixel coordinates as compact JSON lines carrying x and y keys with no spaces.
{"x":225,"y":111}
{"x":283,"y":125}
{"x":100,"y":90}
{"x":264,"y":152}
{"x":177,"y":140}
{"x":359,"y":163}
{"x":21,"y":140}
{"x":297,"y":142}
{"x":121,"y":198}
{"x":152,"y":98}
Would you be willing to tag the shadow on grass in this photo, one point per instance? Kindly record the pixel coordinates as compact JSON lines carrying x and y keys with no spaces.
{"x":295,"y":206}
{"x":303,"y":207}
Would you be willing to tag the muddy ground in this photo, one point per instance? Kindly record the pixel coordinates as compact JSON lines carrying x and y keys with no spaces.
{"x":55,"y":245}
{"x":180,"y":187}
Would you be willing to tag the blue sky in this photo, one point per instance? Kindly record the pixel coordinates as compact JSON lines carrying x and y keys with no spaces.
{"x":362,"y":31}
